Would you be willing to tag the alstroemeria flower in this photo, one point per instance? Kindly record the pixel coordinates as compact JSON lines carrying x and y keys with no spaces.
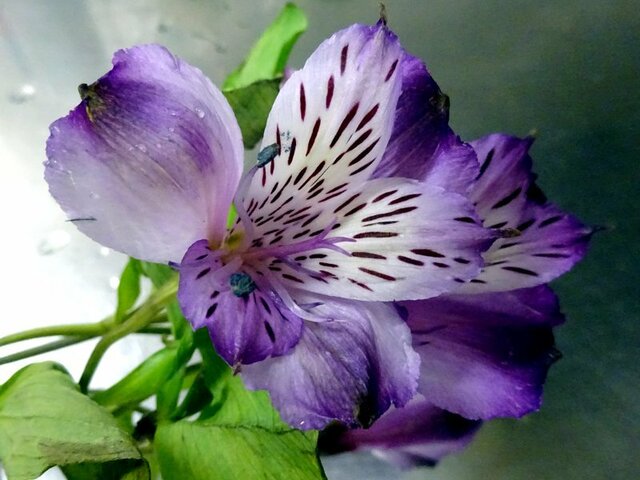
{"x":485,"y":349}
{"x":150,"y":161}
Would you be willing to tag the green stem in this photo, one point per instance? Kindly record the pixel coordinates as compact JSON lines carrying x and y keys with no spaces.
{"x":88,"y":330}
{"x":74,"y":330}
{"x":138,"y":320}
{"x":47,"y":347}
{"x":156,"y":330}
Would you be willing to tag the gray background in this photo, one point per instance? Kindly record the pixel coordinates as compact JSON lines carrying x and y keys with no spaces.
{"x":568,"y":69}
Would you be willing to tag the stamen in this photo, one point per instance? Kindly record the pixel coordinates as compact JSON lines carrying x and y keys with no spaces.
{"x":216,"y":276}
{"x":283,"y":301}
{"x":298,"y":268}
{"x":267,"y":154}
{"x":509,"y":232}
{"x":239,"y":200}
{"x":319,"y":241}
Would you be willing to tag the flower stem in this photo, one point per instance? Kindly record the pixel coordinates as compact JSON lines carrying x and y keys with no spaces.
{"x":138,"y":320}
{"x":78,"y":330}
{"x":47,"y":347}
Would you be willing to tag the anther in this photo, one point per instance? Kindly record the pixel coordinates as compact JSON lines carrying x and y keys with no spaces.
{"x":241,"y":284}
{"x":267,"y":154}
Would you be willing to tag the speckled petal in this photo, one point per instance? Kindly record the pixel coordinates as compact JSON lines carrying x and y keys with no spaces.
{"x":246,"y":323}
{"x":541,"y":242}
{"x":330,"y":123}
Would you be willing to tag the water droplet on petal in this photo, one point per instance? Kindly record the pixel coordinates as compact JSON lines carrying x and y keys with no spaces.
{"x":54,"y":242}
{"x":141,"y":147}
{"x":199,"y":112}
{"x":104,"y":251}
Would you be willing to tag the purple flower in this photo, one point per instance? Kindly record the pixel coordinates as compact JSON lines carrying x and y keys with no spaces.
{"x":340,"y":216}
{"x":485,"y":348}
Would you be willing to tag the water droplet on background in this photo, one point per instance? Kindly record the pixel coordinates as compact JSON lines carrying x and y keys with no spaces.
{"x":54,"y":242}
{"x":23,"y":94}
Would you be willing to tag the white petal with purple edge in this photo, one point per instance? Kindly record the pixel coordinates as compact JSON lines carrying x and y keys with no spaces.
{"x":545,"y":242}
{"x":400,"y":240}
{"x":331,"y":123}
{"x":149,"y":162}
{"x":350,"y":369}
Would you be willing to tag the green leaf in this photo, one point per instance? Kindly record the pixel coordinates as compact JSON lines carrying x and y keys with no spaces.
{"x":145,"y":380}
{"x":198,"y":396}
{"x":158,"y":273}
{"x":168,"y":394}
{"x":204,"y":451}
{"x":128,"y":288}
{"x":269,"y":55}
{"x":46,"y":421}
{"x":239,"y":436}
{"x":251,"y":105}
{"x":122,"y":470}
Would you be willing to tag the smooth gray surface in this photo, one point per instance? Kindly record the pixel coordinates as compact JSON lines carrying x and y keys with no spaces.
{"x":569,"y":69}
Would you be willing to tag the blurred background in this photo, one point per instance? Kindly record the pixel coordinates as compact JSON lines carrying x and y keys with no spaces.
{"x":569,"y":69}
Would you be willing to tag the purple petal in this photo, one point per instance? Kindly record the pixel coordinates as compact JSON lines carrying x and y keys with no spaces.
{"x":331,"y":123}
{"x":247,"y":325}
{"x":351,"y":368}
{"x":422,"y":146}
{"x":398,"y":239}
{"x":149,"y":161}
{"x":548,"y":241}
{"x":485,"y":355}
{"x":417,"y":434}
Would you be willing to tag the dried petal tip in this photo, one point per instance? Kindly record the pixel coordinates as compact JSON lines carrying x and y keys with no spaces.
{"x":83,"y":90}
{"x":383,"y":14}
